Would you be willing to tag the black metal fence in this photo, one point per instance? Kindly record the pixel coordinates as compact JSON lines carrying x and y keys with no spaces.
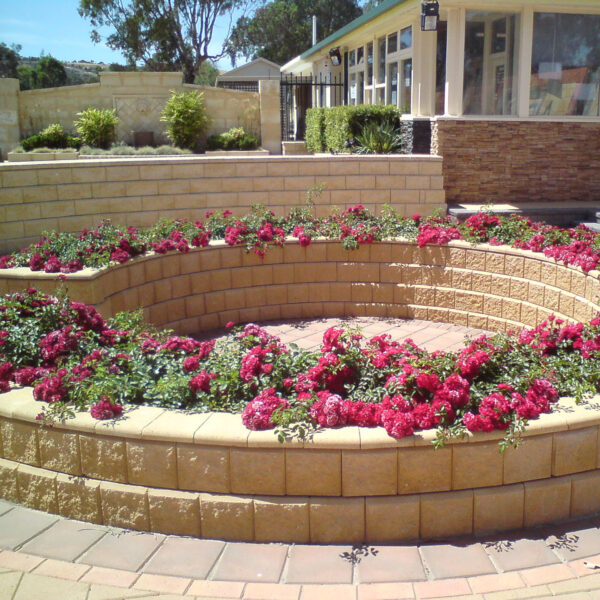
{"x":299,"y":93}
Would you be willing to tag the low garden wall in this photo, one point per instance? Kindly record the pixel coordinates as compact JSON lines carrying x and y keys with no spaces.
{"x":207,"y":475}
{"x":72,"y":195}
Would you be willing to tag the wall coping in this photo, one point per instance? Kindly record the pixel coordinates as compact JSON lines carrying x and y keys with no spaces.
{"x":226,"y":429}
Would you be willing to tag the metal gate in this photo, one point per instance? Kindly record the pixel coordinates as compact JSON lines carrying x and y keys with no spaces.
{"x":299,"y":93}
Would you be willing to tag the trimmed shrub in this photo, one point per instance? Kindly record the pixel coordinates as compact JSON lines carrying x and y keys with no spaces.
{"x":51,"y":137}
{"x":344,"y":123}
{"x":315,"y":129}
{"x":97,"y":127}
{"x":186,"y":118}
{"x":234,"y":139}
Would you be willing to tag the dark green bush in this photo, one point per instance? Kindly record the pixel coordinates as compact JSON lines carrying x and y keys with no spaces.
{"x":342,"y":124}
{"x":234,"y":139}
{"x":315,"y":129}
{"x":51,"y":137}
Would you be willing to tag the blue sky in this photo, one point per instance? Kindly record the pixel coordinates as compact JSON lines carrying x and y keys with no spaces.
{"x":55,"y":27}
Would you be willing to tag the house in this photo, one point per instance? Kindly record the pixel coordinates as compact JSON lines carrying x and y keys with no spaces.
{"x":511,"y":88}
{"x":246,"y":77}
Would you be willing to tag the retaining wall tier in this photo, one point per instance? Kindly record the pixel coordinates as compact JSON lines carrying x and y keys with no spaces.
{"x":207,"y":475}
{"x":72,"y":195}
{"x":489,"y":287}
{"x":504,"y":160}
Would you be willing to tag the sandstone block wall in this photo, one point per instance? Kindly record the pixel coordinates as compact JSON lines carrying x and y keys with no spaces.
{"x":518,"y":161}
{"x":71,"y":195}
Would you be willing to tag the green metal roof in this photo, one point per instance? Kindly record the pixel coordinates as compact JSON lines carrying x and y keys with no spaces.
{"x":383,"y":7}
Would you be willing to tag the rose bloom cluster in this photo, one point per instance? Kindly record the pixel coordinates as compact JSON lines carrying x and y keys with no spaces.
{"x":260,"y":229}
{"x":409,"y":389}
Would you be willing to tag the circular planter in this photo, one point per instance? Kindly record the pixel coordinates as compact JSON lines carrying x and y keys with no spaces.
{"x":206,"y":475}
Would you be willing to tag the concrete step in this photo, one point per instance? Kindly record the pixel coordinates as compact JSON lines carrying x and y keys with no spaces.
{"x":595,"y":226}
{"x":567,"y":214}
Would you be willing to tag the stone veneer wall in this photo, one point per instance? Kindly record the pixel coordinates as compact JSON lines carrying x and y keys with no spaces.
{"x":72,"y":195}
{"x":505,"y":161}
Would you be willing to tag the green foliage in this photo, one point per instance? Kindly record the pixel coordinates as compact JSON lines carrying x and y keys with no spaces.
{"x":47,"y":72}
{"x":186,"y":118}
{"x":375,"y":138}
{"x":207,"y":74}
{"x":281,"y":29}
{"x":343,"y":124}
{"x":122,"y":149}
{"x":234,"y":139}
{"x":9,"y":60}
{"x":315,"y":129}
{"x":51,"y":137}
{"x":163,"y":36}
{"x":97,"y":127}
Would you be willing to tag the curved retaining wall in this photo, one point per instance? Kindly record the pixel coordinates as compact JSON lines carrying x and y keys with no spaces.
{"x":73,"y":195}
{"x":489,"y":287}
{"x":206,"y":475}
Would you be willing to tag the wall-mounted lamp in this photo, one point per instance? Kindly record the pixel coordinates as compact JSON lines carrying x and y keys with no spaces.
{"x":336,"y":56}
{"x":430,"y":15}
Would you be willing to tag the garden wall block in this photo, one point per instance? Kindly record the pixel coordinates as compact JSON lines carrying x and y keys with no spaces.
{"x":139,"y":191}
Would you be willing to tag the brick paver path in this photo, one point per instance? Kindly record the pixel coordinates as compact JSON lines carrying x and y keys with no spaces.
{"x":45,"y":557}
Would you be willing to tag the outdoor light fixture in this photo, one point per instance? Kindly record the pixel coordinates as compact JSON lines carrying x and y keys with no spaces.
{"x":430,"y":15}
{"x":336,"y":56}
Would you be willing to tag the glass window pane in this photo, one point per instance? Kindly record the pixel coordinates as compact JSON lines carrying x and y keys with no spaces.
{"x":360,"y":55}
{"x":392,"y":43}
{"x":370,"y":63}
{"x":352,"y":89}
{"x":360,"y":98}
{"x":352,"y":59}
{"x":406,"y":38}
{"x":381,"y":61}
{"x":565,"y":65}
{"x":393,"y":84}
{"x":405,"y":99}
{"x":440,"y":68}
{"x":490,"y":63}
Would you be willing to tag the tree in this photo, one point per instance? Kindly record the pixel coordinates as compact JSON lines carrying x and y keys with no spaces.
{"x":50,"y":73}
{"x":161,"y":34}
{"x":207,"y":74}
{"x":281,"y":29}
{"x":9,"y":60}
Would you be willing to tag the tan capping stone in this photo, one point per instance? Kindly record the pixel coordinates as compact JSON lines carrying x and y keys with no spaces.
{"x":174,"y":513}
{"x":547,"y":501}
{"x":277,"y":519}
{"x":257,"y":471}
{"x":37,"y":488}
{"x":369,"y":472}
{"x":424,"y":469}
{"x":78,"y":498}
{"x":498,"y":508}
{"x":392,"y":518}
{"x":59,"y":451}
{"x":124,"y":505}
{"x":531,"y":460}
{"x":337,"y":520}
{"x":313,"y":472}
{"x":446,"y":514}
{"x":574,"y":451}
{"x":150,"y":463}
{"x":103,"y":457}
{"x":476,"y":465}
{"x":203,"y":468}
{"x":227,"y":517}
{"x":8,"y":480}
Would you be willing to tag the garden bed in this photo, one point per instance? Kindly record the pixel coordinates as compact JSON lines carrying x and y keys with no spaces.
{"x":227,"y":481}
